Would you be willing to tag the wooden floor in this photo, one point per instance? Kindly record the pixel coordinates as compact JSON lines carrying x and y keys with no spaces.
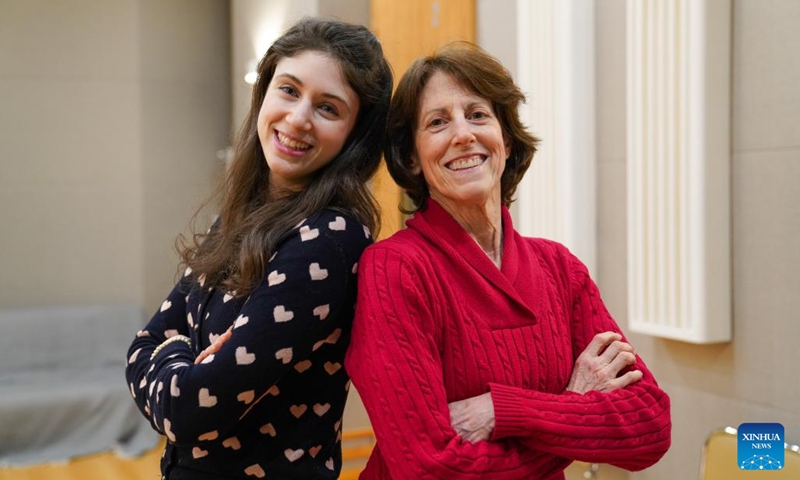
{"x":108,"y":466}
{"x":102,"y":466}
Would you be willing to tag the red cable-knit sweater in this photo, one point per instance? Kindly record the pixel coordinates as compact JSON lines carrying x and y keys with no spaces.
{"x":437,"y":322}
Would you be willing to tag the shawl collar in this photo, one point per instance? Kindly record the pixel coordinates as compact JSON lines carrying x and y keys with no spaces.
{"x":520,"y":274}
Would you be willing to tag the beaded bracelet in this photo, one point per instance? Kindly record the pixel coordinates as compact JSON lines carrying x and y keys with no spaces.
{"x":170,"y":340}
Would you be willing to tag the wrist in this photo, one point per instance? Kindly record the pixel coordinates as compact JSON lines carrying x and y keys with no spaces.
{"x":170,"y":341}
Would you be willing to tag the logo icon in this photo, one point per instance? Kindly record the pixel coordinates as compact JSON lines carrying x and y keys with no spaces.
{"x":760,"y":446}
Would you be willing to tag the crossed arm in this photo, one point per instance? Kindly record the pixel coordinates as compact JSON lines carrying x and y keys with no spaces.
{"x":187,"y":397}
{"x":611,"y":404}
{"x":596,"y":369}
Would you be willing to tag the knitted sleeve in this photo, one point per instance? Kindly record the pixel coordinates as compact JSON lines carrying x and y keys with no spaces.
{"x":395,"y":365}
{"x":289,"y":315}
{"x":170,"y":320}
{"x":628,"y":428}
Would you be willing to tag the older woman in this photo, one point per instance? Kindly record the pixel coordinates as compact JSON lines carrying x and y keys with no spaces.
{"x":480,"y":353}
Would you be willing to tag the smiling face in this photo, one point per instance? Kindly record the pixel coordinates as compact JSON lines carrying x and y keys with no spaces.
{"x":308,"y":112}
{"x":459,"y":144}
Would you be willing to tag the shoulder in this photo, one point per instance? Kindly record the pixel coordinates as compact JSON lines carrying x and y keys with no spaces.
{"x":405,"y":244}
{"x":335,"y":229}
{"x":557,"y":258}
{"x":549,"y":250}
{"x":404,"y":257}
{"x":336,"y":221}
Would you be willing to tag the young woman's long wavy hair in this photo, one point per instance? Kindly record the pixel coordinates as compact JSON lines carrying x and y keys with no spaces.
{"x":252,"y":219}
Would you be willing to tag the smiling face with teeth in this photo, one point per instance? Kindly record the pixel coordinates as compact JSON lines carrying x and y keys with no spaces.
{"x":307,"y":114}
{"x":459,"y":145}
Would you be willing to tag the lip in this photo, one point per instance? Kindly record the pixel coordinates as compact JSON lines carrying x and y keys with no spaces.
{"x":286,"y":149}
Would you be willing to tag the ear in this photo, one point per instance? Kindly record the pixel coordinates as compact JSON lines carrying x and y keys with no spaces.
{"x":507,"y":145}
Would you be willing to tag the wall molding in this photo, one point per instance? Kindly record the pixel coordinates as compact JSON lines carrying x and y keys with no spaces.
{"x":678,"y":142}
{"x":557,"y":197}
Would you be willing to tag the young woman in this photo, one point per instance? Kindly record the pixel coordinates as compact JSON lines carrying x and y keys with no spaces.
{"x":241,"y":366}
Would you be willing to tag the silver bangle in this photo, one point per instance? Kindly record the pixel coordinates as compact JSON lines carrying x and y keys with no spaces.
{"x":170,"y":340}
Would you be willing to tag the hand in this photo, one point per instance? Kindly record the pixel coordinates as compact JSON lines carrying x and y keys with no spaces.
{"x":473,"y":418}
{"x":214,"y":347}
{"x":598,"y":366}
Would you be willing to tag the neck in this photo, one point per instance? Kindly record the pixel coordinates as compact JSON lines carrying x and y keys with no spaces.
{"x":483,"y":222}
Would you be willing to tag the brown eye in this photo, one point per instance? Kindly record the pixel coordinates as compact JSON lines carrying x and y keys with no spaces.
{"x":329,"y":109}
{"x":288,"y":89}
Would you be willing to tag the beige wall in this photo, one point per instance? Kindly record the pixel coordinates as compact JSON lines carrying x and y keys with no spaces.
{"x":752,"y":379}
{"x":112,"y":115}
{"x":70,"y":170}
{"x":497,"y":30}
{"x":184,"y":48}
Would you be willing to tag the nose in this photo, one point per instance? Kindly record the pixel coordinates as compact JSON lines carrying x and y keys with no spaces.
{"x":299,"y":116}
{"x":462,"y":132}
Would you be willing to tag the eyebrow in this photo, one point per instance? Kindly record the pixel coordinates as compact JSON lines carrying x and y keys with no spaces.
{"x":445,"y":109}
{"x":324,"y":94}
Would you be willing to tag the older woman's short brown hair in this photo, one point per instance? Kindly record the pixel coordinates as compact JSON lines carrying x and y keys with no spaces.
{"x":479,"y":72}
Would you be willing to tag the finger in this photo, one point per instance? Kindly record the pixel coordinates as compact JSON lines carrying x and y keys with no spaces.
{"x":455,"y":414}
{"x":474,"y":437}
{"x":200,"y":357}
{"x":455,"y":406}
{"x":479,"y":435}
{"x":213,"y":348}
{"x":628,"y":379}
{"x":600,"y":342}
{"x":620,"y":362}
{"x":614,"y":349}
{"x":210,"y":350}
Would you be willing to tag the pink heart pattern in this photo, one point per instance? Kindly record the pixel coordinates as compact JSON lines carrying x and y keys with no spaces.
{"x":322,"y":311}
{"x":332,"y":368}
{"x":208,"y":436}
{"x":338,"y":225}
{"x":232,"y":443}
{"x":246,"y":397}
{"x":255,"y":471}
{"x":244,"y":358}
{"x":317,"y":273}
{"x":298,"y":410}
{"x":268,"y":429}
{"x":241,"y":320}
{"x":208,"y":316}
{"x":302,"y":366}
{"x":173,"y":387}
{"x":321,"y":410}
{"x":284,"y":355}
{"x":306,"y":233}
{"x":293,"y":455}
{"x":198,"y":452}
{"x":275,"y":278}
{"x":206,"y":399}
{"x":281,"y":314}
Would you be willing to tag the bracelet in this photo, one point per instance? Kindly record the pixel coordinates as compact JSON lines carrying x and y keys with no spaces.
{"x":170,"y":340}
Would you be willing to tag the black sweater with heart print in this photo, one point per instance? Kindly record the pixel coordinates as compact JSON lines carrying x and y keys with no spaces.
{"x":269,"y":403}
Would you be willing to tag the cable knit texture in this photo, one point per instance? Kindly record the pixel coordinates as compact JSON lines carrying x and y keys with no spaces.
{"x":269,"y":403}
{"x":437,"y":321}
